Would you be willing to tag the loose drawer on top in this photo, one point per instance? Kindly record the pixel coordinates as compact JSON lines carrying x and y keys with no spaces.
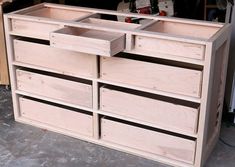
{"x":150,"y":141}
{"x":66,"y":119}
{"x":90,"y":41}
{"x":33,"y":29}
{"x":173,"y":115}
{"x":62,"y":61}
{"x":56,"y":88}
{"x":152,"y":75}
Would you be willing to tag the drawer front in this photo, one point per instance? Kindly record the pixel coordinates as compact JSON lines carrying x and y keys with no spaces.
{"x":55,"y":88}
{"x":65,"y":62}
{"x":88,"y":41}
{"x":147,"y":140}
{"x":153,"y":46}
{"x":163,"y":114}
{"x":33,"y":29}
{"x":154,"y":76}
{"x":57,"y":117}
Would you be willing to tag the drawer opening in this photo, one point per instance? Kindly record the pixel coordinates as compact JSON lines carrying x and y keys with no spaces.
{"x":159,"y":61}
{"x":34,"y":40}
{"x":111,"y":24}
{"x":60,"y":14}
{"x":183,"y":29}
{"x":144,"y":127}
{"x":151,"y":96}
{"x":70,"y":78}
{"x":58,"y":105}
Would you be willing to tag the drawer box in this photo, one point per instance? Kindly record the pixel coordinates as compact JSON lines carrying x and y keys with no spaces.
{"x":58,"y":117}
{"x":148,"y":140}
{"x":151,"y":46}
{"x":56,"y":88}
{"x":168,"y":115}
{"x":183,"y":29}
{"x":65,"y":62}
{"x":153,"y":76}
{"x":88,"y":41}
{"x":154,"y":46}
{"x":33,"y":29}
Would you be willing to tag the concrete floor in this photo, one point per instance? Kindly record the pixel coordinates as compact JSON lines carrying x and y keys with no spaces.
{"x":26,"y":146}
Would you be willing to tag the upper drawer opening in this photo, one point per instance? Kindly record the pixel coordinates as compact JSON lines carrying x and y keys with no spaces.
{"x":183,"y":29}
{"x":111,"y":23}
{"x":55,"y":13}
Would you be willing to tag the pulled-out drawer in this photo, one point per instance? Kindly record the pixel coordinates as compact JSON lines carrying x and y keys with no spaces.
{"x":33,"y":29}
{"x":152,"y":75}
{"x":72,"y":92}
{"x":62,"y":61}
{"x":66,"y":119}
{"x":88,"y":41}
{"x":165,"y":113}
{"x":146,"y":140}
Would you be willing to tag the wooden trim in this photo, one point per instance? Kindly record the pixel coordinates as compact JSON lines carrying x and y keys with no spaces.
{"x":4,"y":76}
{"x":103,"y":11}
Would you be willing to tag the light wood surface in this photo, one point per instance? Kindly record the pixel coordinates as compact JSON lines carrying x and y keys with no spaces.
{"x":58,"y":13}
{"x":4,"y":76}
{"x":149,"y":141}
{"x":150,"y":75}
{"x":33,"y":29}
{"x":167,"y":115}
{"x":68,"y":91}
{"x":88,"y":41}
{"x":147,"y":45}
{"x":57,"y":117}
{"x":65,"y":62}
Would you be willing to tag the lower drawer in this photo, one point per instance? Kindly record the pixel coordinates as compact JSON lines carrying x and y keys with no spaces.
{"x":66,"y":119}
{"x":166,"y":113}
{"x":148,"y":140}
{"x":56,"y":88}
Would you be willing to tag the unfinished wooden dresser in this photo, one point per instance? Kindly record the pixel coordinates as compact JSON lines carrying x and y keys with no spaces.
{"x":153,"y":89}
